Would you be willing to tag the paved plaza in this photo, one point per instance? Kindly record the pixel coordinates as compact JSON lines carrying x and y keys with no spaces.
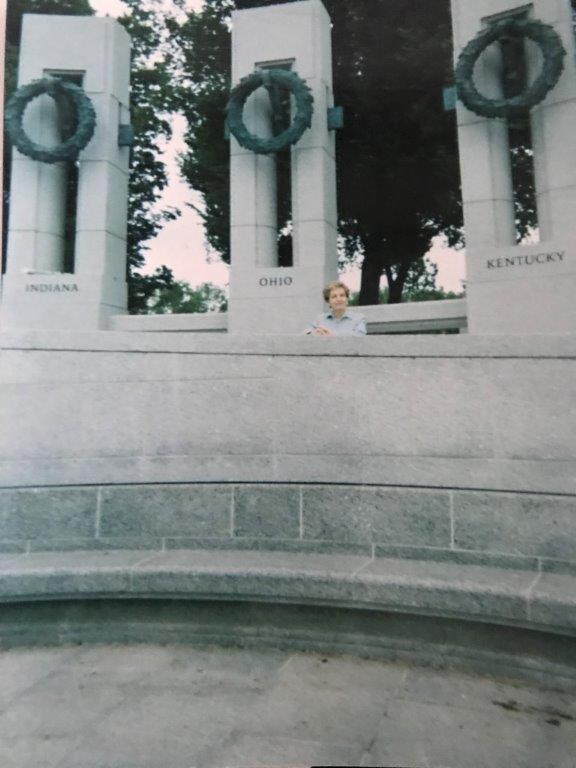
{"x":179,"y":707}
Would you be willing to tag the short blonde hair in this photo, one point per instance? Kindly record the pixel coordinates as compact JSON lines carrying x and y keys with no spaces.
{"x":335,"y":284}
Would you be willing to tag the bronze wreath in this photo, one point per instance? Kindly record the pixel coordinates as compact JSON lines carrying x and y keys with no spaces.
{"x":270,"y":77}
{"x":552,"y":51}
{"x":59,"y":90}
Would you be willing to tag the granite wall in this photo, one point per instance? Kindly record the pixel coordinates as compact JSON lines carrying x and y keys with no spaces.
{"x":439,"y":447}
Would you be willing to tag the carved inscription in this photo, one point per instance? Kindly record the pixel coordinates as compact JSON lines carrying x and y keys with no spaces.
{"x":275,"y":281}
{"x":526,"y":260}
{"x":51,"y":288}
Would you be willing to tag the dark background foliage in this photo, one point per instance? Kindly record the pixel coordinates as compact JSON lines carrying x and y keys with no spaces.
{"x":398,"y":178}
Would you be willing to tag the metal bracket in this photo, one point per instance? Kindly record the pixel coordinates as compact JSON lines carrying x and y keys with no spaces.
{"x":125,"y":135}
{"x":335,"y":118}
{"x":449,"y":98}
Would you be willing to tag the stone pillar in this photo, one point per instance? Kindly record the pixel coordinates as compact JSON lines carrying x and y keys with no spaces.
{"x":519,"y":289}
{"x":265,"y":298}
{"x":36,"y":292}
{"x":41,"y":124}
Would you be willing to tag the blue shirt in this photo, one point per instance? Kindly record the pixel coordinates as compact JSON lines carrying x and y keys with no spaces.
{"x":350,"y":324}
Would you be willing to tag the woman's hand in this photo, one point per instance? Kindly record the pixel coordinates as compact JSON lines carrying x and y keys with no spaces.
{"x":321,"y":331}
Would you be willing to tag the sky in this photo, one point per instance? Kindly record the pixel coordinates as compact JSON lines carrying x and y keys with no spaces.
{"x":181,"y":243}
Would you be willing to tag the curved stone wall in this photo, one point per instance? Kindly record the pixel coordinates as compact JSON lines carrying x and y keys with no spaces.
{"x":449,"y":448}
{"x":452,"y":412}
{"x":418,"y":484}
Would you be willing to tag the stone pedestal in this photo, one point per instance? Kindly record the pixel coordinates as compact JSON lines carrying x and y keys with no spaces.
{"x":519,"y":289}
{"x":36,"y":292}
{"x":265,"y":298}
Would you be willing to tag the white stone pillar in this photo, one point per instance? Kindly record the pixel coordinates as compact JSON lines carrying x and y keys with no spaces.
{"x":265,"y":298}
{"x":253,"y":192}
{"x":36,"y":292}
{"x":42,"y":125}
{"x":519,"y":289}
{"x":553,"y":136}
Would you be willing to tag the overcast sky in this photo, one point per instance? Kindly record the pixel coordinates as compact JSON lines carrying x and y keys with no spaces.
{"x":181,"y":244}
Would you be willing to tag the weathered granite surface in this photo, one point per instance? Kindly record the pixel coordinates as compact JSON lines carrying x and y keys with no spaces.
{"x":471,"y":592}
{"x":452,"y":412}
{"x":146,"y":705}
{"x":488,"y":619}
{"x":519,"y":531}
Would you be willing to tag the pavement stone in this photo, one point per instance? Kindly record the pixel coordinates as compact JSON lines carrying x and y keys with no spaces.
{"x":147,"y":706}
{"x":20,"y":671}
{"x":474,"y":692}
{"x":429,"y":735}
{"x":35,"y":752}
{"x":315,"y":699}
{"x":266,"y":751}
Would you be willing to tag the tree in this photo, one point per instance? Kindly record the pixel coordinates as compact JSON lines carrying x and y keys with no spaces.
{"x":396,"y":157}
{"x":420,"y":286}
{"x":203,"y":56}
{"x":151,"y":102}
{"x":180,"y":298}
{"x":143,"y":287}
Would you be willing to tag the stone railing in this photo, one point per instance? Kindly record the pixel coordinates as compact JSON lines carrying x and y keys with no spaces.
{"x":417,"y":317}
{"x":411,"y":317}
{"x":460,"y":412}
{"x":198,"y":322}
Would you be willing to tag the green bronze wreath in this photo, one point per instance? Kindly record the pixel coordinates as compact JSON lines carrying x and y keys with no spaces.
{"x":61,"y":91}
{"x":282,"y":78}
{"x":552,"y":51}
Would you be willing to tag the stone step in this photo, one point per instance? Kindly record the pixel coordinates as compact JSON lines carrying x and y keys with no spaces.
{"x":543,"y":601}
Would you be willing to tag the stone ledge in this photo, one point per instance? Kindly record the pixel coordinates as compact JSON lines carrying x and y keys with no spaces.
{"x":209,"y":322}
{"x":381,"y":318}
{"x":545,"y":602}
{"x":387,"y":346}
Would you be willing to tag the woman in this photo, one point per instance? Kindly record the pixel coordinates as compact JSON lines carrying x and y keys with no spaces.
{"x":338,"y":321}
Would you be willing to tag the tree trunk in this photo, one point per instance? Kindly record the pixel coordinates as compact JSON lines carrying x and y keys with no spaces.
{"x":396,"y":284}
{"x":407,"y":249}
{"x":372,"y":268}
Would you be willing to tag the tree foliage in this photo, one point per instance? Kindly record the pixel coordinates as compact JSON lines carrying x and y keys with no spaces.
{"x":420,"y":285}
{"x":202,"y":53}
{"x":181,"y":298}
{"x":144,"y":287}
{"x":151,"y":102}
{"x":398,"y":184}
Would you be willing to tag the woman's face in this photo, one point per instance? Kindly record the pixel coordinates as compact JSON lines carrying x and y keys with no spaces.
{"x":338,"y":300}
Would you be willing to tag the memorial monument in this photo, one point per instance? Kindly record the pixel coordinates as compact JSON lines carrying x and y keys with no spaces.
{"x":75,"y":277}
{"x":291,"y":44}
{"x":403,"y":498}
{"x":517,"y":288}
{"x":70,"y":116}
